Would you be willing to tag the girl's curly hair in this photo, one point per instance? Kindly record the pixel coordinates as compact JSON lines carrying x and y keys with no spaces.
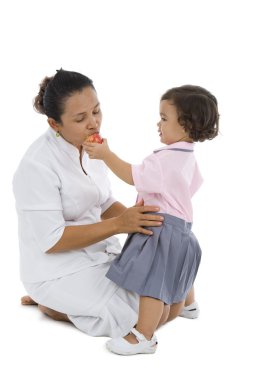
{"x":197,"y":111}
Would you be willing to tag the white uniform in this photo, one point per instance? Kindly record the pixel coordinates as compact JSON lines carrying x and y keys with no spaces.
{"x":52,"y":191}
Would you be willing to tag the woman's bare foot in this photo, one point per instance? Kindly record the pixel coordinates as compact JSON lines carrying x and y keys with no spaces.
{"x":27,"y":300}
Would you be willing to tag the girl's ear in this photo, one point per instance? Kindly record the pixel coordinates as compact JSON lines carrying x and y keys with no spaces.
{"x":53,"y":124}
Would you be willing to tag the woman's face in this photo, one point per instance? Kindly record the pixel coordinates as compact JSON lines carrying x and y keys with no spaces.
{"x":81,"y":118}
{"x":170,"y":131}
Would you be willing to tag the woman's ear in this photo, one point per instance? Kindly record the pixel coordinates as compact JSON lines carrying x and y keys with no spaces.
{"x":53,"y":124}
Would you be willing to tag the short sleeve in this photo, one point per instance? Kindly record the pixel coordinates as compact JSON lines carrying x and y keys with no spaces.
{"x":36,"y":187}
{"x":110,"y":200}
{"x":147,"y":177}
{"x":45,"y":227}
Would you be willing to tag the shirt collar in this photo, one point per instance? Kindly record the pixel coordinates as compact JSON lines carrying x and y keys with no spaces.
{"x":177,"y":145}
{"x":62,"y":144}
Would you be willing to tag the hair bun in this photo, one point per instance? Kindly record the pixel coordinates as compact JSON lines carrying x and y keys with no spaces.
{"x":38,"y":102}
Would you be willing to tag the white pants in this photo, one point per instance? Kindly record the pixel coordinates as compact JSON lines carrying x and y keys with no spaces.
{"x":93,"y":303}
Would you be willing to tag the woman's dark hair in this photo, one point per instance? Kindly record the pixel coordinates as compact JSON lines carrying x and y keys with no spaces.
{"x":55,"y":90}
{"x":197,"y":111}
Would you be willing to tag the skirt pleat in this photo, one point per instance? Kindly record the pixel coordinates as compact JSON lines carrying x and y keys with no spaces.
{"x":162,"y":266}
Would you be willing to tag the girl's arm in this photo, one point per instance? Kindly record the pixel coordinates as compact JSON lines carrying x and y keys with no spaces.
{"x":119,"y":167}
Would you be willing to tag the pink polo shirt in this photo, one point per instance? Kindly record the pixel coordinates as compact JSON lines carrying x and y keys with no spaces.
{"x":168,"y":179}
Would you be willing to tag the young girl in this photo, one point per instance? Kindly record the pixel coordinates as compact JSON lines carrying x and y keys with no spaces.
{"x":162,"y":267}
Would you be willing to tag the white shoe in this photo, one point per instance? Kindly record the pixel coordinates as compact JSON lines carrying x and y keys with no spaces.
{"x":121,"y":346}
{"x":191,"y":311}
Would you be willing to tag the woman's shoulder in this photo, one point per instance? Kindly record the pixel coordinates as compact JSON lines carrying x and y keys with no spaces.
{"x":35,"y":168}
{"x":37,"y":158}
{"x":38,"y":150}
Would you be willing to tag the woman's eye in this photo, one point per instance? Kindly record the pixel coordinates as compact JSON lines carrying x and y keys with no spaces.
{"x":163,"y":119}
{"x":95,"y":112}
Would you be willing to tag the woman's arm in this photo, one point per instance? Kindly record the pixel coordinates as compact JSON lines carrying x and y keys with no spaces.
{"x":133,"y":219}
{"x":76,"y":237}
{"x":114,"y":210}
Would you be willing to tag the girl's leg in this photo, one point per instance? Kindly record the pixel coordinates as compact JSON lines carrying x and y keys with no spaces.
{"x":171,"y":312}
{"x":190,"y":297}
{"x":175,"y":310}
{"x":151,"y":311}
{"x":165,"y":315}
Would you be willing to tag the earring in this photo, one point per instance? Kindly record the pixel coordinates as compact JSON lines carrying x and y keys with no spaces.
{"x":57,"y":134}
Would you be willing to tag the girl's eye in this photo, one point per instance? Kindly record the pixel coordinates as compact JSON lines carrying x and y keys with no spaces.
{"x":96,"y":112}
{"x":163,"y":119}
{"x":79,"y":121}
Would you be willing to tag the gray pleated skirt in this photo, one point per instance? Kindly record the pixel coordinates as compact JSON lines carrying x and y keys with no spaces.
{"x":162,"y":266}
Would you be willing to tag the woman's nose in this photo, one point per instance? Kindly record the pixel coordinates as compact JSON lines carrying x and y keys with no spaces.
{"x":93,"y":123}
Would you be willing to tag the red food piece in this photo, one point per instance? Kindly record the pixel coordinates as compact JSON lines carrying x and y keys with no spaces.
{"x":95,"y":138}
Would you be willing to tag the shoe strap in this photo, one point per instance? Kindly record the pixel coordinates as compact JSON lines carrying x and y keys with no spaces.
{"x":192,"y":306}
{"x":140,"y":337}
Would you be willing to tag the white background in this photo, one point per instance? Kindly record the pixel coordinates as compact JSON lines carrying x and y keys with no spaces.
{"x":134,"y":51}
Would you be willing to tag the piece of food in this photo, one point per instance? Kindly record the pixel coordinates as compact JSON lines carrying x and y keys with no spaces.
{"x":95,"y":138}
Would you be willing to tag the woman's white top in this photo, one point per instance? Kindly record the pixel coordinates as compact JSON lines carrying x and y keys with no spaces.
{"x":52,"y":191}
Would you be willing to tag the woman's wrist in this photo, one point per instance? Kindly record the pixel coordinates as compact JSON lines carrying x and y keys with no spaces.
{"x":115,"y":209}
{"x":117,"y":226}
{"x":114,"y":225}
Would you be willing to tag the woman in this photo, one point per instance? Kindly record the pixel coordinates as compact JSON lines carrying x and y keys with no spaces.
{"x":67,"y":216}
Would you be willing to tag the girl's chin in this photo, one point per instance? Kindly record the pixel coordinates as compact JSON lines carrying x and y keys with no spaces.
{"x":162,"y":140}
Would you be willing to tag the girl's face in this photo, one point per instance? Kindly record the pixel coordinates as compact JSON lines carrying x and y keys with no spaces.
{"x":170,"y":131}
{"x":81,"y":118}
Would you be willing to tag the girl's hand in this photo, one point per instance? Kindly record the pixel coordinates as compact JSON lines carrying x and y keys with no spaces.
{"x":97,"y":151}
{"x":134,"y":219}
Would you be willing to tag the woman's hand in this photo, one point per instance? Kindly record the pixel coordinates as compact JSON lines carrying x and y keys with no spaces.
{"x":134,"y":219}
{"x":97,"y":151}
